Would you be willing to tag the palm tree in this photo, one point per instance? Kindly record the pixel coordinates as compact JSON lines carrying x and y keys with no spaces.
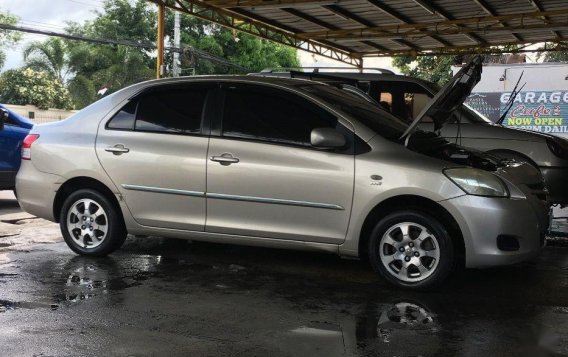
{"x":50,"y":56}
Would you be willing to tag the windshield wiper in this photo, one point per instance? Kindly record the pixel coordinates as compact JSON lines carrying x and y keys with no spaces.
{"x":511,"y":100}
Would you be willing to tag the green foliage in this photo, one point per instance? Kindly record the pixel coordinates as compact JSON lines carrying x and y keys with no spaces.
{"x":435,"y":69}
{"x":82,"y":91}
{"x":245,"y":50}
{"x":113,"y":66}
{"x":7,"y":38}
{"x":49,"y":56}
{"x":28,"y":86}
{"x":94,"y":66}
{"x":555,"y":56}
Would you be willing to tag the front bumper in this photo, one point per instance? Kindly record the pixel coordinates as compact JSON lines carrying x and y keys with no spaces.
{"x":482,"y":220}
{"x":556,"y":181}
{"x":37,"y":190}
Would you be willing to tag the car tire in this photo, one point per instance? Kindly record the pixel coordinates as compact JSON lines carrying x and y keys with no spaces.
{"x":91,"y":224}
{"x":411,"y":250}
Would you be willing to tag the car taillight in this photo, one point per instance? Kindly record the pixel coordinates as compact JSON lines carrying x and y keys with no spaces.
{"x":27,"y":146}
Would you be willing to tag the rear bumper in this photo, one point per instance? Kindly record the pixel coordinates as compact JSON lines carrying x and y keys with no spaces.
{"x":37,"y":190}
{"x":482,"y":220}
{"x":556,"y":180}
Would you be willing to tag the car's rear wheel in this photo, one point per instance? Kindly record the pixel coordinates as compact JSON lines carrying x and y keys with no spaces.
{"x":411,"y":249}
{"x":91,"y":224}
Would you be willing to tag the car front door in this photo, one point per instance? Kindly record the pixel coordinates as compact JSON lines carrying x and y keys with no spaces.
{"x":154,"y":150}
{"x":264,"y":179}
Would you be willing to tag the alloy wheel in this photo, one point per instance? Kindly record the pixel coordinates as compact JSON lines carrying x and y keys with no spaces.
{"x":409,"y":252}
{"x":87,"y":223}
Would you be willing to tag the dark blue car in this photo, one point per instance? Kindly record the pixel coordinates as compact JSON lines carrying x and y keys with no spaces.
{"x":15,"y":129}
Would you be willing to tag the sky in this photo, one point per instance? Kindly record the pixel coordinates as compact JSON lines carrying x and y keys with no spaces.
{"x":52,"y":15}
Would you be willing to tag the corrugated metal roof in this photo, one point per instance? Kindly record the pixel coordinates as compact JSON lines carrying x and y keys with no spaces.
{"x":359,"y":28}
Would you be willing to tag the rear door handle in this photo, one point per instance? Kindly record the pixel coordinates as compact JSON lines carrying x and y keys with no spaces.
{"x":118,"y":149}
{"x":225,"y":159}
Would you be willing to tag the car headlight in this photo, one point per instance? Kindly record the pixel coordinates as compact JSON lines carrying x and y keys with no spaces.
{"x":559,"y":147}
{"x":477,"y":182}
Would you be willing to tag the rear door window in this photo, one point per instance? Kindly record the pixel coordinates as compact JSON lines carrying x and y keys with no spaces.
{"x":124,"y":119}
{"x":173,"y":111}
{"x":164,"y":111}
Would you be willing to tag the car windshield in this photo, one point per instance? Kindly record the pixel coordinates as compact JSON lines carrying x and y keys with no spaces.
{"x":475,"y":116}
{"x":370,"y":115}
{"x":472,"y":115}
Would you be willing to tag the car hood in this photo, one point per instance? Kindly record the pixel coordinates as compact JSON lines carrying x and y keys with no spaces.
{"x":451,"y":97}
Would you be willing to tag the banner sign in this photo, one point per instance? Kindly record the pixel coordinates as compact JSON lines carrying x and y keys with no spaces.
{"x":542,"y":111}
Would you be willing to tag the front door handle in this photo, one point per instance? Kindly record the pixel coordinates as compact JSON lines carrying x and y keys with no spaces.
{"x":118,"y":149}
{"x":225,"y":159}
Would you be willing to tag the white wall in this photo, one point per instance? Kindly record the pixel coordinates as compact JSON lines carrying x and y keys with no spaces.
{"x":39,"y":115}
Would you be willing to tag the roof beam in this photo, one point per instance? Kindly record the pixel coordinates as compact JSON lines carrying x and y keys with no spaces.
{"x":463,"y":50}
{"x":390,"y":11}
{"x":284,"y":27}
{"x":309,"y":18}
{"x":435,"y":10}
{"x":271,"y":3}
{"x":490,"y":11}
{"x":373,"y":33}
{"x":375,"y":46}
{"x":536,"y":4}
{"x":449,"y":27}
{"x":327,"y":25}
{"x":260,"y":29}
{"x":398,"y":16}
{"x":347,"y":15}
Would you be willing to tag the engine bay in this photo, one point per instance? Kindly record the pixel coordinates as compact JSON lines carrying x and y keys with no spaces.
{"x":433,"y":145}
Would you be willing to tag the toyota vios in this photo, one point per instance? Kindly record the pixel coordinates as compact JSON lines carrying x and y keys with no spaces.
{"x":278,"y":163}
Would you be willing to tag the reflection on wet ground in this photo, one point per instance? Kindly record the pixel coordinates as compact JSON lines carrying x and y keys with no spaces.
{"x":170,"y":297}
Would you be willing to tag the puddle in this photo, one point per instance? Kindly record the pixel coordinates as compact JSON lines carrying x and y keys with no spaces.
{"x":7,"y":305}
{"x":408,"y":315}
{"x":319,"y":330}
{"x":388,"y":322}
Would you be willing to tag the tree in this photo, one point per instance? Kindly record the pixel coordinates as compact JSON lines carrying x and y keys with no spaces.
{"x":50,"y":56}
{"x":243,"y":49}
{"x":435,"y":69}
{"x":555,"y":56}
{"x":111,"y":66}
{"x":28,"y":86}
{"x":7,"y":38}
{"x":117,"y":66}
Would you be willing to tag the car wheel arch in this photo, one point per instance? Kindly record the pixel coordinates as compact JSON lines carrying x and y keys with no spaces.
{"x":417,"y":203}
{"x":82,"y":182}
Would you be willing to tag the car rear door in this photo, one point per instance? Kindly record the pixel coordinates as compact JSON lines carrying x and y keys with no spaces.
{"x":154,"y":150}
{"x":264,"y":179}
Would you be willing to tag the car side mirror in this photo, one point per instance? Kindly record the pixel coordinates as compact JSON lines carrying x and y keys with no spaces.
{"x":327,"y":138}
{"x":4,"y":114}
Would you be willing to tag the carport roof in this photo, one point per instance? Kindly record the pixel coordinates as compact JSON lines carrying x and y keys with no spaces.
{"x":349,"y":30}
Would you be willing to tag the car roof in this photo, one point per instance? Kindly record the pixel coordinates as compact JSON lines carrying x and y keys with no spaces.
{"x":350,"y":75}
{"x":286,"y":82}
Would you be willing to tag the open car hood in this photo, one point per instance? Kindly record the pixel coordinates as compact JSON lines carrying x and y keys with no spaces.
{"x":451,"y":97}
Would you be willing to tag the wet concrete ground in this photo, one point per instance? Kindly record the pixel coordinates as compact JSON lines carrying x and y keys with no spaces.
{"x":168,"y":297}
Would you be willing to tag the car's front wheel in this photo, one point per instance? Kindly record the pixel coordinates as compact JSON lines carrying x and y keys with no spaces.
{"x":91,"y":224}
{"x":411,"y":249}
